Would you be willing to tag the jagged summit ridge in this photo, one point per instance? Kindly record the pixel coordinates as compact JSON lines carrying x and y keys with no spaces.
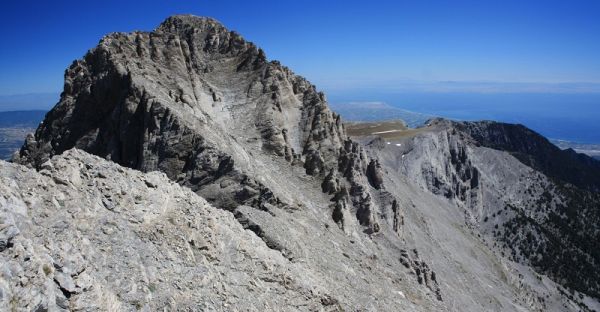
{"x":179,"y":21}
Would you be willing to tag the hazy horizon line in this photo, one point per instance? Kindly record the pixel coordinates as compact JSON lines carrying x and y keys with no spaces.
{"x":440,"y":86}
{"x":457,"y":86}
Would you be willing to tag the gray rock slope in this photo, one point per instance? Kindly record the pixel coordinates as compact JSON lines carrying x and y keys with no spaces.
{"x":86,"y":234}
{"x":342,"y":230}
{"x":83,"y":233}
{"x":531,"y":217}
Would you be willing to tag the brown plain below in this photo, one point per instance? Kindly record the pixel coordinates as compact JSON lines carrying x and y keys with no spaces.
{"x":388,"y":130}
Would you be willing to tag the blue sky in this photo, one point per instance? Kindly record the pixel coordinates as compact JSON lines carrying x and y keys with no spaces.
{"x":338,"y":45}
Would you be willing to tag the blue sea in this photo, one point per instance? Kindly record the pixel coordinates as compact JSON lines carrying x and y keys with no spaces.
{"x":571,"y":116}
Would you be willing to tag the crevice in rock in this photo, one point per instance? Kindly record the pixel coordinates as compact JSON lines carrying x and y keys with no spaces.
{"x":9,"y":244}
{"x":64,"y":291}
{"x":257,"y":229}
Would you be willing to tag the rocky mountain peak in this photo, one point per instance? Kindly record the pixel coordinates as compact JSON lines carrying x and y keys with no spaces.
{"x":216,"y":37}
{"x":180,"y":22}
{"x":203,"y":105}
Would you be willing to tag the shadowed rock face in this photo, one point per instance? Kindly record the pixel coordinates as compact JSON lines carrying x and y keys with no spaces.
{"x":537,"y":152}
{"x":201,"y":104}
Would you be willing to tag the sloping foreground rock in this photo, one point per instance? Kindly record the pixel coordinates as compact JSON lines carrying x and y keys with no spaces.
{"x":86,"y":234}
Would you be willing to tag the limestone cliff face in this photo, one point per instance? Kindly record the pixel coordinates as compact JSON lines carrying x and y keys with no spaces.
{"x":203,"y":105}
